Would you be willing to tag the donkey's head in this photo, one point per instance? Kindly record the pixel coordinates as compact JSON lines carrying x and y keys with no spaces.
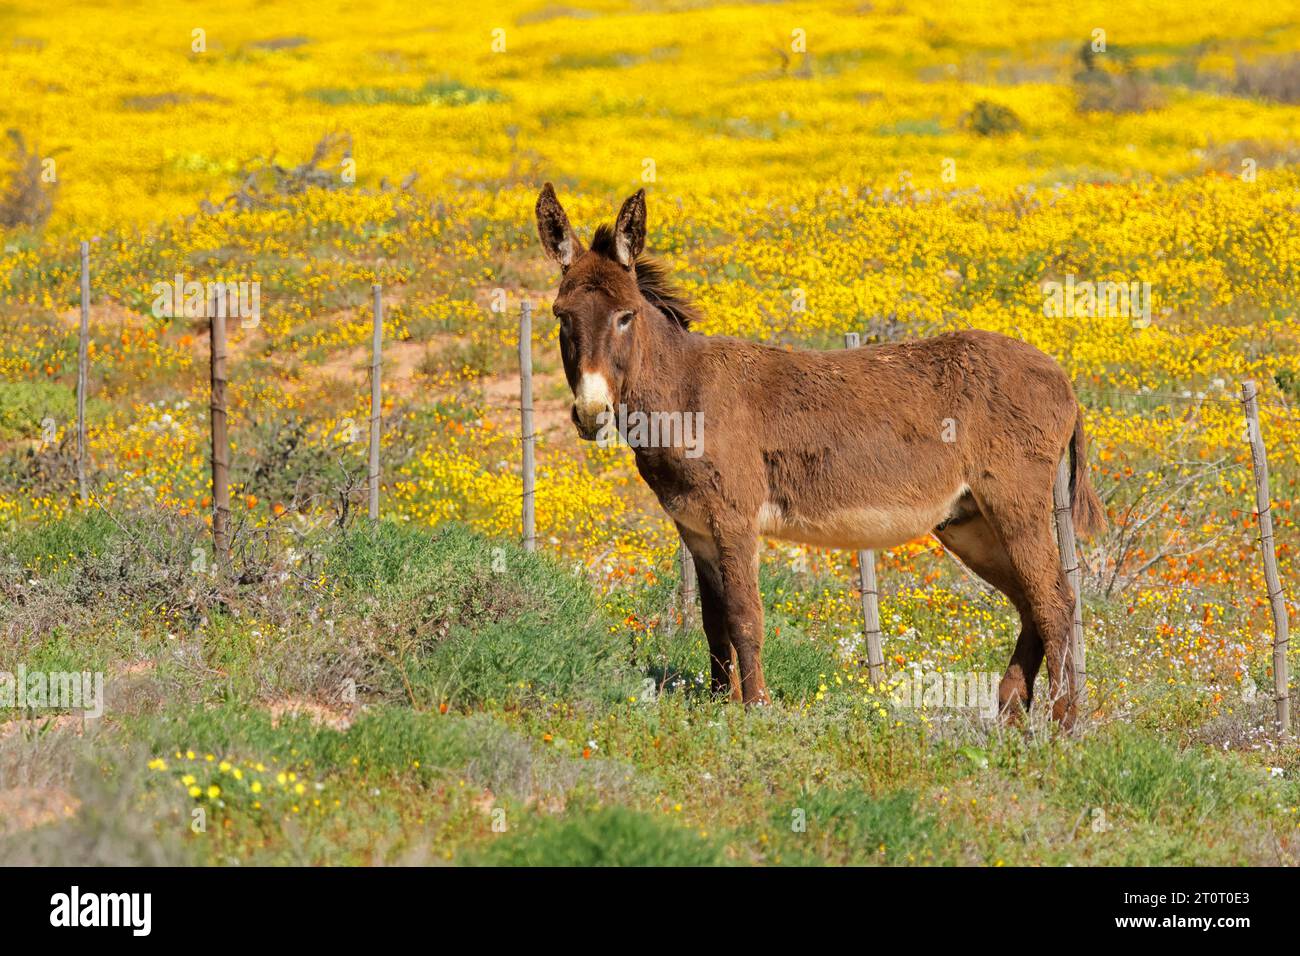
{"x":600,"y":305}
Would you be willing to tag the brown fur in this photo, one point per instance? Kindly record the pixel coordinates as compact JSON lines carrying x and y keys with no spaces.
{"x":959,"y":434}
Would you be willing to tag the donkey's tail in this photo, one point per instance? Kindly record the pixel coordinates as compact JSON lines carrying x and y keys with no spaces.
{"x":1086,"y":509}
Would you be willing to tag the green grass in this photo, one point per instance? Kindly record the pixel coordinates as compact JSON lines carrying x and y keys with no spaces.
{"x":496,"y":718}
{"x":856,"y":828}
{"x":432,"y":93}
{"x":86,"y":536}
{"x":25,"y":405}
{"x":614,"y":836}
{"x":477,"y":621}
{"x":1137,"y":776}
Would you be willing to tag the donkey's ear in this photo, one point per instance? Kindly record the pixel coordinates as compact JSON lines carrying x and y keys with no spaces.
{"x":629,"y":229}
{"x":558,"y":238}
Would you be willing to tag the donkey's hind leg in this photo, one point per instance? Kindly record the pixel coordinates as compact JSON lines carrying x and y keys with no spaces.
{"x":974,"y":542}
{"x":1020,"y":511}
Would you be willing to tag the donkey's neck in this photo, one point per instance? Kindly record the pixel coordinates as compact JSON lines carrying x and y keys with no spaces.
{"x":664,"y":368}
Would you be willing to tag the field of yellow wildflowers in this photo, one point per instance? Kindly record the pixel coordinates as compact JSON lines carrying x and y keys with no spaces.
{"x":427,"y":691}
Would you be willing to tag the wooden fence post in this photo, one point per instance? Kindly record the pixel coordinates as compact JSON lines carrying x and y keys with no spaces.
{"x":376,"y":410}
{"x":83,"y":362}
{"x":686,"y":563}
{"x":220,"y":438}
{"x":526,"y":423}
{"x":867,"y":587}
{"x":1065,"y":543}
{"x":1277,"y":600}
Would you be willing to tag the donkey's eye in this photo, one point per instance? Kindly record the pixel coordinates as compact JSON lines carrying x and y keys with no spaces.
{"x":564,"y":323}
{"x":624,"y":319}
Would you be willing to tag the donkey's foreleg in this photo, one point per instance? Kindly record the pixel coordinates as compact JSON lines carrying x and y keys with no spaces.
{"x":724,"y":677}
{"x":743,"y":608}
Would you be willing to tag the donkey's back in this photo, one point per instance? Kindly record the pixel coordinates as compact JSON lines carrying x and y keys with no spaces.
{"x":873,"y":447}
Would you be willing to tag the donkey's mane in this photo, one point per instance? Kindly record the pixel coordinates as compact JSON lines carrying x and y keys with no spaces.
{"x":654,"y":281}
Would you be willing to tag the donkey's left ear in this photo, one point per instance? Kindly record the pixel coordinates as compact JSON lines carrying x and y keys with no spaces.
{"x":629,"y":229}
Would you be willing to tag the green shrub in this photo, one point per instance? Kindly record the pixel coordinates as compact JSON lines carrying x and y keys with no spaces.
{"x":439,"y":93}
{"x":23,"y":406}
{"x":469,"y":619}
{"x":1135,"y":775}
{"x":610,"y":837}
{"x":987,"y":118}
{"x":853,"y":827}
{"x":84,"y":535}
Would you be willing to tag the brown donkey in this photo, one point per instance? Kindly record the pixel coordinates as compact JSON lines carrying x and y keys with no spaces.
{"x":959,"y":435}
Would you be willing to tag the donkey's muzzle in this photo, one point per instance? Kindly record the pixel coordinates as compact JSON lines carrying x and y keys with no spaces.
{"x":592,"y":403}
{"x":589,"y":420}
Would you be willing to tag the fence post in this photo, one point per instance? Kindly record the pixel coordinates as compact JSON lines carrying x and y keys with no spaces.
{"x":220,"y":438}
{"x":1065,"y":543}
{"x":376,"y":410}
{"x":1277,"y":601}
{"x":686,"y":561}
{"x":83,"y":362}
{"x":867,"y":587}
{"x":526,"y":422}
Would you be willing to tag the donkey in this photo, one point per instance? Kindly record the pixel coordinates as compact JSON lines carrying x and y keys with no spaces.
{"x":958,"y":435}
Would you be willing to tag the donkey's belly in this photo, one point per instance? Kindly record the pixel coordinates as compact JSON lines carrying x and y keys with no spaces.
{"x":856,"y":528}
